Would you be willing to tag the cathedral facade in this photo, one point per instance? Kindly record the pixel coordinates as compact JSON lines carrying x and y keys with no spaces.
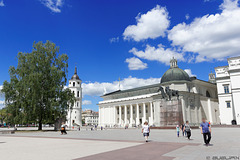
{"x":227,"y":78}
{"x":74,"y":116}
{"x":176,"y":99}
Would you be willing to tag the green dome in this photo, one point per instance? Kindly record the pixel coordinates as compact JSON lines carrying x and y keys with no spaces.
{"x":175,"y":74}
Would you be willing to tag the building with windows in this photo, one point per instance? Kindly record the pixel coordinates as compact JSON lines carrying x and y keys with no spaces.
{"x":90,"y":117}
{"x":74,"y":116}
{"x":174,"y":100}
{"x":228,"y":86}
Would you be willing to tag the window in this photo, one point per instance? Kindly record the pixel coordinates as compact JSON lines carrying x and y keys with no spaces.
{"x":78,"y":94}
{"x":73,"y":84}
{"x":207,"y":94}
{"x":73,"y":93}
{"x":226,"y":88}
{"x":77,"y":104}
{"x":78,"y":82}
{"x":228,"y":104}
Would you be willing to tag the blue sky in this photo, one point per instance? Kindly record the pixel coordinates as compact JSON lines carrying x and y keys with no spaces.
{"x":133,"y":40}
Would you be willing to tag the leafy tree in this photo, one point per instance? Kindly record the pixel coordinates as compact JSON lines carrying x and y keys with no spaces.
{"x":3,"y":115}
{"x":36,"y":91}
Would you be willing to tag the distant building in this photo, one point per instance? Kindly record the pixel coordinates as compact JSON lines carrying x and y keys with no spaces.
{"x":74,"y":116}
{"x":174,"y":100}
{"x":228,"y":86}
{"x":90,"y":117}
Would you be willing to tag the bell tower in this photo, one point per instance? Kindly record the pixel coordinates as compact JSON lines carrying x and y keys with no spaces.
{"x":173,"y":63}
{"x":75,"y":114}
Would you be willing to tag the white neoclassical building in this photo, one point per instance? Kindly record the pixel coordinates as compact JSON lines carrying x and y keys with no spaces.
{"x":152,"y":103}
{"x":74,"y":116}
{"x":228,"y":85}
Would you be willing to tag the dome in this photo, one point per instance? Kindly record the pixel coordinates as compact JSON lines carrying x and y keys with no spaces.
{"x":75,"y":76}
{"x":174,"y":73}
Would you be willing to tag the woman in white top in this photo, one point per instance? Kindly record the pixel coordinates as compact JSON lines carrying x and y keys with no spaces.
{"x":146,"y":130}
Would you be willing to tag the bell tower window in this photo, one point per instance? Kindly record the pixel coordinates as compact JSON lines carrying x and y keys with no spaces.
{"x":73,"y":84}
{"x":78,"y":94}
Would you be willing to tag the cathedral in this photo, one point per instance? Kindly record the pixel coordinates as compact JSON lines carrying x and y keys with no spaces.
{"x":74,"y":116}
{"x":176,"y":99}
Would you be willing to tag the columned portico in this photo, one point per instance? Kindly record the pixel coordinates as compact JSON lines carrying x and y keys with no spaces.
{"x":129,"y":114}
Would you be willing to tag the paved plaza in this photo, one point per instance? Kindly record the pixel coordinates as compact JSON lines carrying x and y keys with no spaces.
{"x":118,"y":144}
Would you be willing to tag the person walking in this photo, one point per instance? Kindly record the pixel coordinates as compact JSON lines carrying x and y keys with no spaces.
{"x":63,"y":128}
{"x":178,"y":130}
{"x":146,"y":130}
{"x":187,"y":128}
{"x":205,"y":128}
{"x":183,"y":132}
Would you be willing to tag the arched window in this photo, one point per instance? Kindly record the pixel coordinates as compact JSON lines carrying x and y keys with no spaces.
{"x":208,"y":94}
{"x":78,"y":94}
{"x":73,"y":84}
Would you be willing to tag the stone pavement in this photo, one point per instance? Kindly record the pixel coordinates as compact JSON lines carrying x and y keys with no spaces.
{"x":119,"y":144}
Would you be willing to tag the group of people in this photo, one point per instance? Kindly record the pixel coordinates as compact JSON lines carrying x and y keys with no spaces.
{"x":205,"y":128}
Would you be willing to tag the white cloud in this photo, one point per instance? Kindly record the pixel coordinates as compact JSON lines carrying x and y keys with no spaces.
{"x":157,"y":54}
{"x":153,"y":24}
{"x":213,"y":36}
{"x":135,"y":64}
{"x":189,"y":72}
{"x":53,"y":5}
{"x":2,"y":104}
{"x":1,"y":3}
{"x":98,"y":89}
{"x":86,"y":102}
{"x":114,"y":39}
{"x":1,"y":94}
{"x":187,"y":16}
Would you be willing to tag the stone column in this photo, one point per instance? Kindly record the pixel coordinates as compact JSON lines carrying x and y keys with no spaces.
{"x":103,"y":116}
{"x":137,"y":117}
{"x":144,"y":113}
{"x":114,"y":115}
{"x":196,"y":110}
{"x":125,"y":114}
{"x":120,"y":115}
{"x":210,"y":110}
{"x":183,"y":109}
{"x":99,"y":117}
{"x":131,"y":115}
{"x":189,"y":111}
{"x":151,"y":114}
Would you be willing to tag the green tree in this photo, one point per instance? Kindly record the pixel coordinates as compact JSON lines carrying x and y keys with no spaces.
{"x":36,"y":91}
{"x":3,"y":115}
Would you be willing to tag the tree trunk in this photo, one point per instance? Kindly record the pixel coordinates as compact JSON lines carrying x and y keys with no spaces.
{"x":40,"y":125}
